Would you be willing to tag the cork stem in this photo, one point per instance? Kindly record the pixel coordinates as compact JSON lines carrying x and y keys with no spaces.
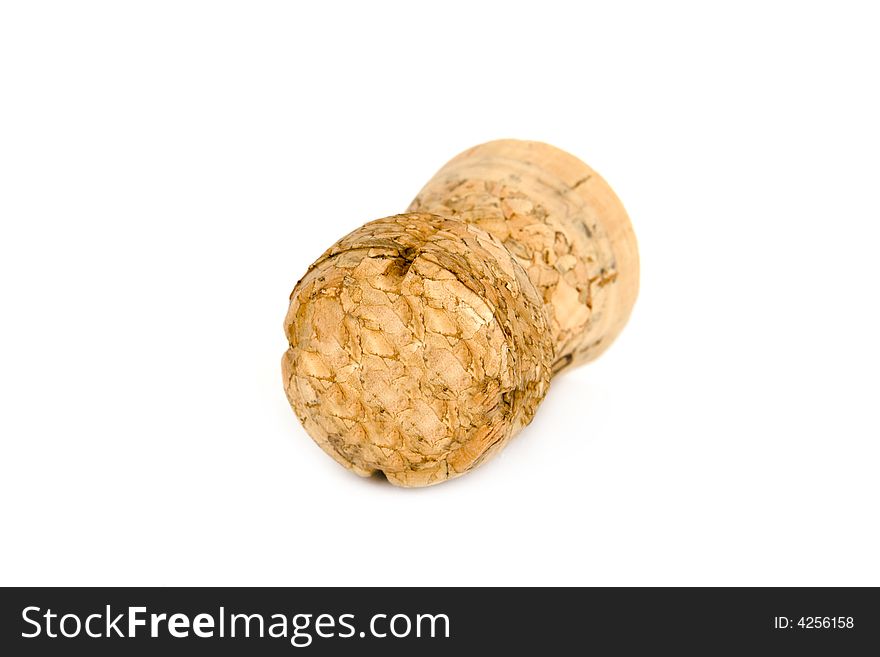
{"x":562,"y":222}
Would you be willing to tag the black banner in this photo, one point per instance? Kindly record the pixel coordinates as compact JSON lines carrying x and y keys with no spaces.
{"x":333,"y":621}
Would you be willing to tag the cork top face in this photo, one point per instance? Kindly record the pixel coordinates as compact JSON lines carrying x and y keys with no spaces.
{"x":418,"y":347}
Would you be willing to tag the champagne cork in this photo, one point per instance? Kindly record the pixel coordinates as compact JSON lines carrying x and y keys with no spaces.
{"x":421,"y":343}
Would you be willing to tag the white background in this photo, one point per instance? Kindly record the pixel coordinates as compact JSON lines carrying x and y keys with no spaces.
{"x":168,"y":170}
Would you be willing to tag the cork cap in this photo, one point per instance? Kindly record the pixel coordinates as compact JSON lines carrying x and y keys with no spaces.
{"x":418,"y":347}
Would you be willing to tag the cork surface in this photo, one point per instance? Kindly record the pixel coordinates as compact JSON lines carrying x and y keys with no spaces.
{"x":563,"y":224}
{"x":418,"y":347}
{"x":419,"y":344}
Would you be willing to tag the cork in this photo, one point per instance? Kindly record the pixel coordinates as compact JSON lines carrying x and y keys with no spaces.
{"x":421,"y":343}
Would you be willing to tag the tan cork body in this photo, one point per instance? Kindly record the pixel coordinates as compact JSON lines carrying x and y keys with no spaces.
{"x":421,"y":343}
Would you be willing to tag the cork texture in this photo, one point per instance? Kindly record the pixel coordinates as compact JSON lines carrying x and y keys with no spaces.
{"x":418,"y":347}
{"x":563,"y":224}
{"x":421,"y":343}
